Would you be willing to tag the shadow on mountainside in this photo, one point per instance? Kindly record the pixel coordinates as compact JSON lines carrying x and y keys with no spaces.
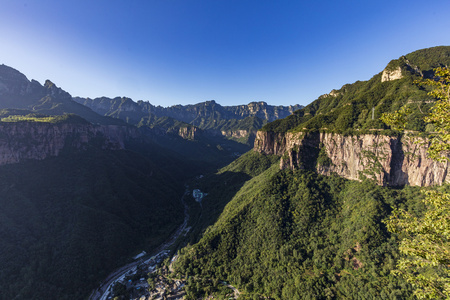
{"x":220,"y":189}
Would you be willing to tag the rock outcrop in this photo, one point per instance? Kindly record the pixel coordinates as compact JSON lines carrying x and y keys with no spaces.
{"x":394,"y":70}
{"x":189,"y":133}
{"x":20,"y":141}
{"x":389,"y":75}
{"x":333,"y":93}
{"x":390,"y":161}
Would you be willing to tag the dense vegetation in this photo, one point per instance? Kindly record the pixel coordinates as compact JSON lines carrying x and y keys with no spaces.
{"x":299,"y":235}
{"x":357,"y":107}
{"x":222,"y":186}
{"x":66,"y":222}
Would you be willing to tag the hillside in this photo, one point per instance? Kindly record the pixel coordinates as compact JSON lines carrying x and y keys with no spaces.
{"x":81,"y":194}
{"x":358,"y":106}
{"x":297,"y":235}
{"x":289,"y":232}
{"x":341,"y":132}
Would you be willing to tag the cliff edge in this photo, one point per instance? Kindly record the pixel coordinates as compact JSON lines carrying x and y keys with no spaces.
{"x":390,"y":161}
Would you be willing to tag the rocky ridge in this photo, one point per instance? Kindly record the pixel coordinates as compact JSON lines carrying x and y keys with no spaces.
{"x":17,"y":92}
{"x":187,"y":113}
{"x":210,"y":117}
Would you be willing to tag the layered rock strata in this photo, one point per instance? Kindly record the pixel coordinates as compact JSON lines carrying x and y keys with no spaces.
{"x":20,"y":141}
{"x":390,"y":161}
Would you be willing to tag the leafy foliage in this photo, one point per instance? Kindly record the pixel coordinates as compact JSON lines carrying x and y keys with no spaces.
{"x":426,"y":248}
{"x":440,"y":114}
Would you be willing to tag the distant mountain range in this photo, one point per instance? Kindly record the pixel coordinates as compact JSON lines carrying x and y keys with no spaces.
{"x":239,"y":122}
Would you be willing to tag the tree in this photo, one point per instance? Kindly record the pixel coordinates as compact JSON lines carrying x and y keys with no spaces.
{"x":439,"y":116}
{"x":426,"y":248}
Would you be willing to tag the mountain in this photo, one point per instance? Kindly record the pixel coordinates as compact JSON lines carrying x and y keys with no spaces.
{"x":341,"y":132}
{"x":216,"y":134}
{"x":231,"y":121}
{"x":29,"y":99}
{"x":304,"y":217}
{"x":356,"y":108}
{"x":16,"y":91}
{"x":296,"y":235}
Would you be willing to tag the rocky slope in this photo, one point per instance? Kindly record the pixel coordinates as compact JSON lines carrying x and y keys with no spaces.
{"x":390,"y":161}
{"x":21,"y":141}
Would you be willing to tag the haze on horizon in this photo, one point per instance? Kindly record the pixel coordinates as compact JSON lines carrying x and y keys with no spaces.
{"x":235,"y":52}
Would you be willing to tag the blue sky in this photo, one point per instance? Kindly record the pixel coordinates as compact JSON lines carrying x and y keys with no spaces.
{"x":233,"y":51}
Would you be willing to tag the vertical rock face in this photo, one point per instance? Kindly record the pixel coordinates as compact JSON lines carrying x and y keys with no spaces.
{"x":388,"y":160}
{"x":21,"y":141}
{"x":189,"y":133}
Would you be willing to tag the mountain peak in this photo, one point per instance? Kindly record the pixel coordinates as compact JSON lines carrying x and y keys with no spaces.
{"x":49,"y":84}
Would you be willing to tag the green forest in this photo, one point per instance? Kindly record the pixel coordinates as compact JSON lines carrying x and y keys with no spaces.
{"x":298,"y":235}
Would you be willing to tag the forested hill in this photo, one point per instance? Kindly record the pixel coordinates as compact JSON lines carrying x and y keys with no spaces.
{"x":358,"y":106}
{"x":292,"y":233}
{"x":296,"y":235}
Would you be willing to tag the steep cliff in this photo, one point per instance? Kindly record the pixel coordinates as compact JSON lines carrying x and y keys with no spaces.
{"x":21,"y":141}
{"x":354,"y":143}
{"x":390,"y":161}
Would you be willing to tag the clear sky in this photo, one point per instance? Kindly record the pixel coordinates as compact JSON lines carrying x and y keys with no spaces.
{"x":233,"y":51}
